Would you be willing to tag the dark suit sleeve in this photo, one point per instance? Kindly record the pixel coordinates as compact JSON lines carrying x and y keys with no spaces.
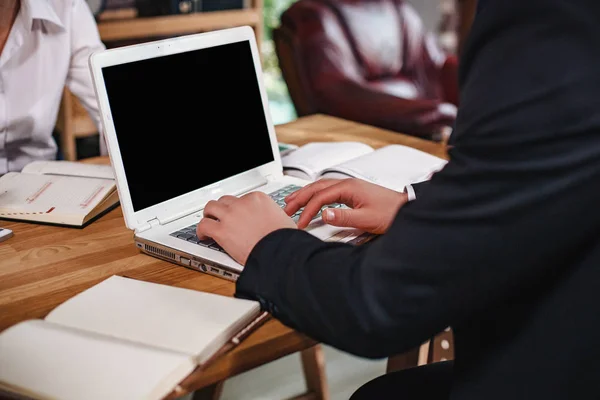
{"x":504,"y":213}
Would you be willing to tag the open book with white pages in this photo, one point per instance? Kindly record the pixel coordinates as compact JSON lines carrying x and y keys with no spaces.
{"x":122,"y":339}
{"x":393,"y":166}
{"x":64,"y":193}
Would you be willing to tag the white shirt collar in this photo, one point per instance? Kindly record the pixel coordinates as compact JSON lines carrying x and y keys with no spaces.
{"x":40,"y":10}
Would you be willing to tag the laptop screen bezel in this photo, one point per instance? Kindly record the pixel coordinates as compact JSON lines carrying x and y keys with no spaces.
{"x":192,"y":201}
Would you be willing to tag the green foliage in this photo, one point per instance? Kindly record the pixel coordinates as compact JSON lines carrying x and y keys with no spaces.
{"x":272,"y":12}
{"x":276,"y":87}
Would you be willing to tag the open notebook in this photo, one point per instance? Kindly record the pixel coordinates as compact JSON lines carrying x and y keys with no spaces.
{"x":58,"y":192}
{"x":122,"y":339}
{"x":393,"y":166}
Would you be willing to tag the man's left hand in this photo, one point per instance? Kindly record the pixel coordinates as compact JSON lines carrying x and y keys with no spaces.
{"x":238,"y":224}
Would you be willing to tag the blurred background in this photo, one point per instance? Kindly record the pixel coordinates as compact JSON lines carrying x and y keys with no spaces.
{"x":439,"y":16}
{"x":426,"y":36}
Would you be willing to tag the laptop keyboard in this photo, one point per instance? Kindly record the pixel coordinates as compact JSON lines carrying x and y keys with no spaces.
{"x":189,"y":233}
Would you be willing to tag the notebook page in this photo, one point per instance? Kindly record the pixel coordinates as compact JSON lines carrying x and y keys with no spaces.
{"x":312,"y":158}
{"x":187,"y":321}
{"x":48,"y":361}
{"x":392,"y":166}
{"x":69,"y":168}
{"x":51,"y":198}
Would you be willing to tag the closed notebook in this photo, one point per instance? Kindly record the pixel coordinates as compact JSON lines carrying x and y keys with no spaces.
{"x":122,"y":339}
{"x":58,"y":192}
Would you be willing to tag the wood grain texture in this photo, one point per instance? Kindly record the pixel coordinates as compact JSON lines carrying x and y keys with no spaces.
{"x":170,"y":25}
{"x":324,"y":128}
{"x":42,"y":266}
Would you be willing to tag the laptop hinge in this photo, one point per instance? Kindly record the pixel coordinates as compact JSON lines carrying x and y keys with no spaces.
{"x":196,"y":208}
{"x":181,"y":214}
{"x":148,"y":225}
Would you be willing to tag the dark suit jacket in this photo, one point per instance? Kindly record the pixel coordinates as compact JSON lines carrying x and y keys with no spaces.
{"x":503,"y":245}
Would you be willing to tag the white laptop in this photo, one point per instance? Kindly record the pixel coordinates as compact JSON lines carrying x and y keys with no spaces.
{"x":187,"y":121}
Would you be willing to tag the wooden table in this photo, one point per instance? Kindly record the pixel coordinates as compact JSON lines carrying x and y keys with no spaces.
{"x":42,"y":266}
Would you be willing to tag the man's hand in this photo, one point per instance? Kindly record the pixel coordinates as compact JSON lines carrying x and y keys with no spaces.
{"x":373,"y":207}
{"x":238,"y":224}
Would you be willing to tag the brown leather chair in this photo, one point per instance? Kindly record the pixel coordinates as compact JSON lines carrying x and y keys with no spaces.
{"x":369,"y":61}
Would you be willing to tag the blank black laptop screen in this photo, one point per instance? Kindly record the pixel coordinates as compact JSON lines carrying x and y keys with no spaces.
{"x":187,"y":120}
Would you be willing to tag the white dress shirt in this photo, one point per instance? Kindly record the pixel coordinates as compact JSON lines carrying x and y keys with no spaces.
{"x":47,"y":48}
{"x":410,"y":191}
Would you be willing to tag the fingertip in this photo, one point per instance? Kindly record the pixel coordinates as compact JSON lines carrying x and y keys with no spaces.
{"x":203,"y":225}
{"x":328,"y":215}
{"x":301,"y":224}
{"x":200,"y":235}
{"x":291,"y":196}
{"x":289,"y":210}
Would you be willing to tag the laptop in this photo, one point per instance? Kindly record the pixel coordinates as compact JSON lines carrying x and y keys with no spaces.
{"x":186,"y":121}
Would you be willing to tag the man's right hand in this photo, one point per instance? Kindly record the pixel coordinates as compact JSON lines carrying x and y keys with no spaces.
{"x":372,"y":207}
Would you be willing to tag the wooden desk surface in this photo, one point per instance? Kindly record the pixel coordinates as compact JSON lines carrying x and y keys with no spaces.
{"x":42,"y":266}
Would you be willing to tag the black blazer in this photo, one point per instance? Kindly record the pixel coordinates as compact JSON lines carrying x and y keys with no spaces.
{"x":503,"y":244}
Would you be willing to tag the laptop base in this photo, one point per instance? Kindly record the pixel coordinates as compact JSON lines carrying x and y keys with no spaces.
{"x":184,"y":259}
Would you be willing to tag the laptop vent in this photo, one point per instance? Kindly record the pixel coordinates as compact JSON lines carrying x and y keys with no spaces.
{"x":160,"y":252}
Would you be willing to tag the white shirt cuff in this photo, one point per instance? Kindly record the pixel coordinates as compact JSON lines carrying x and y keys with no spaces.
{"x":410,"y":191}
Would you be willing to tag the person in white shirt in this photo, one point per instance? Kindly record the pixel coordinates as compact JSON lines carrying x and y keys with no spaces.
{"x":44,"y":46}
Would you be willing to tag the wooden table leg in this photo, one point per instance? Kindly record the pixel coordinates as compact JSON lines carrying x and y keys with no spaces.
{"x":403,"y":361}
{"x":313,"y":365}
{"x":442,"y":347}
